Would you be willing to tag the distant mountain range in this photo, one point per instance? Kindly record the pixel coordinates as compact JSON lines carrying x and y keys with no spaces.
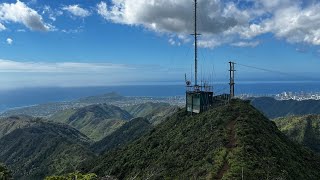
{"x":9,"y":124}
{"x":105,"y":98}
{"x":95,"y":121}
{"x":43,"y":148}
{"x":274,"y":108}
{"x":36,"y":147}
{"x":48,"y":109}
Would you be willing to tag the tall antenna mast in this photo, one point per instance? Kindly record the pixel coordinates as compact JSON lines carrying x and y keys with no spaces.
{"x":195,"y":44}
{"x":199,"y":97}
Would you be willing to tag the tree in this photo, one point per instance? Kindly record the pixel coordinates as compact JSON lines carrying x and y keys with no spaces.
{"x":74,"y":176}
{"x":5,"y":174}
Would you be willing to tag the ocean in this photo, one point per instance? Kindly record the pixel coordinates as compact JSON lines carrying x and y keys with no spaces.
{"x":32,"y":96}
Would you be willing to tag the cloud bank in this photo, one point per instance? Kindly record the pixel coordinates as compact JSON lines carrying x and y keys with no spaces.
{"x":221,"y":22}
{"x":236,"y":23}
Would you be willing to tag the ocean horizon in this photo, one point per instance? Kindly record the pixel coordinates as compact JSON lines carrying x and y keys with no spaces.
{"x":32,"y":96}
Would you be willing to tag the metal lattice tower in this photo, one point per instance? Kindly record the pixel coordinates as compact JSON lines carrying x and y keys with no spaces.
{"x":232,"y":70}
{"x":199,"y":97}
{"x":195,"y":34}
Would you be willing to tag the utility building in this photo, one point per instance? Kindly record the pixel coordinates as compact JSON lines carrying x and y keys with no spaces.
{"x":198,"y":102}
{"x":199,"y":98}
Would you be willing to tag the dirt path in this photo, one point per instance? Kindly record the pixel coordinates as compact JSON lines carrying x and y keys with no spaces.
{"x":231,"y":144}
{"x":232,"y":135}
{"x":224,"y":169}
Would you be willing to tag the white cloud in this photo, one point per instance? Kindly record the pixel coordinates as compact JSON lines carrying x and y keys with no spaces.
{"x":174,"y":42}
{"x":175,"y":17}
{"x":246,"y":44}
{"x":72,"y":31}
{"x":296,"y":24}
{"x":271,"y":5}
{"x":9,"y":41}
{"x":51,"y":13}
{"x":171,"y":41}
{"x":2,"y":27}
{"x":19,"y":12}
{"x":76,"y":10}
{"x":172,"y":15}
{"x":296,"y":21}
{"x":210,"y":43}
{"x":102,"y":10}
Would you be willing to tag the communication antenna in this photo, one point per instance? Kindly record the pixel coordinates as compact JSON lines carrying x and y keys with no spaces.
{"x":188,"y":82}
{"x":195,"y":34}
{"x":199,"y":98}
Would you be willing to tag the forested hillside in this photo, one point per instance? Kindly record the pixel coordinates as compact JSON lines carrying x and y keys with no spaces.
{"x":95,"y":121}
{"x":302,"y":129}
{"x":125,"y":134}
{"x":11,"y":123}
{"x":218,"y":143}
{"x":43,"y":149}
{"x":154,"y":112}
{"x":273,"y":108}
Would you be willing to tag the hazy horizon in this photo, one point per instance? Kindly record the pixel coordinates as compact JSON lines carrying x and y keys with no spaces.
{"x":124,"y":42}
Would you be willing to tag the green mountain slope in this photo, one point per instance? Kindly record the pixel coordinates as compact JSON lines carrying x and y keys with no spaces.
{"x":11,"y":123}
{"x":273,"y":108}
{"x":219,"y":143}
{"x":95,"y":121}
{"x":43,"y":149}
{"x":100,"y":99}
{"x":126,"y":133}
{"x":154,"y":112}
{"x":302,"y":129}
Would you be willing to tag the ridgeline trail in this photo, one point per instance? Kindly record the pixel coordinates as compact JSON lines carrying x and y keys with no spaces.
{"x":229,"y":146}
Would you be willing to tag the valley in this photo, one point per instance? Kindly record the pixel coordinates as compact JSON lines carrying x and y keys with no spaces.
{"x":34,"y":147}
{"x":218,"y":143}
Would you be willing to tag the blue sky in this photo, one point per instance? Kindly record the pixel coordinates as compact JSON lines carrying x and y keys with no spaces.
{"x":120,"y":42}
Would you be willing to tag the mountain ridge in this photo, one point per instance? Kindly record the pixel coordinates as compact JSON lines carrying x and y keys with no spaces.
{"x":47,"y":109}
{"x":273,"y":108}
{"x":43,"y":149}
{"x":11,"y":123}
{"x":154,"y":112}
{"x":96,"y":121}
{"x":128,"y":132}
{"x":302,"y":129}
{"x":205,"y":146}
